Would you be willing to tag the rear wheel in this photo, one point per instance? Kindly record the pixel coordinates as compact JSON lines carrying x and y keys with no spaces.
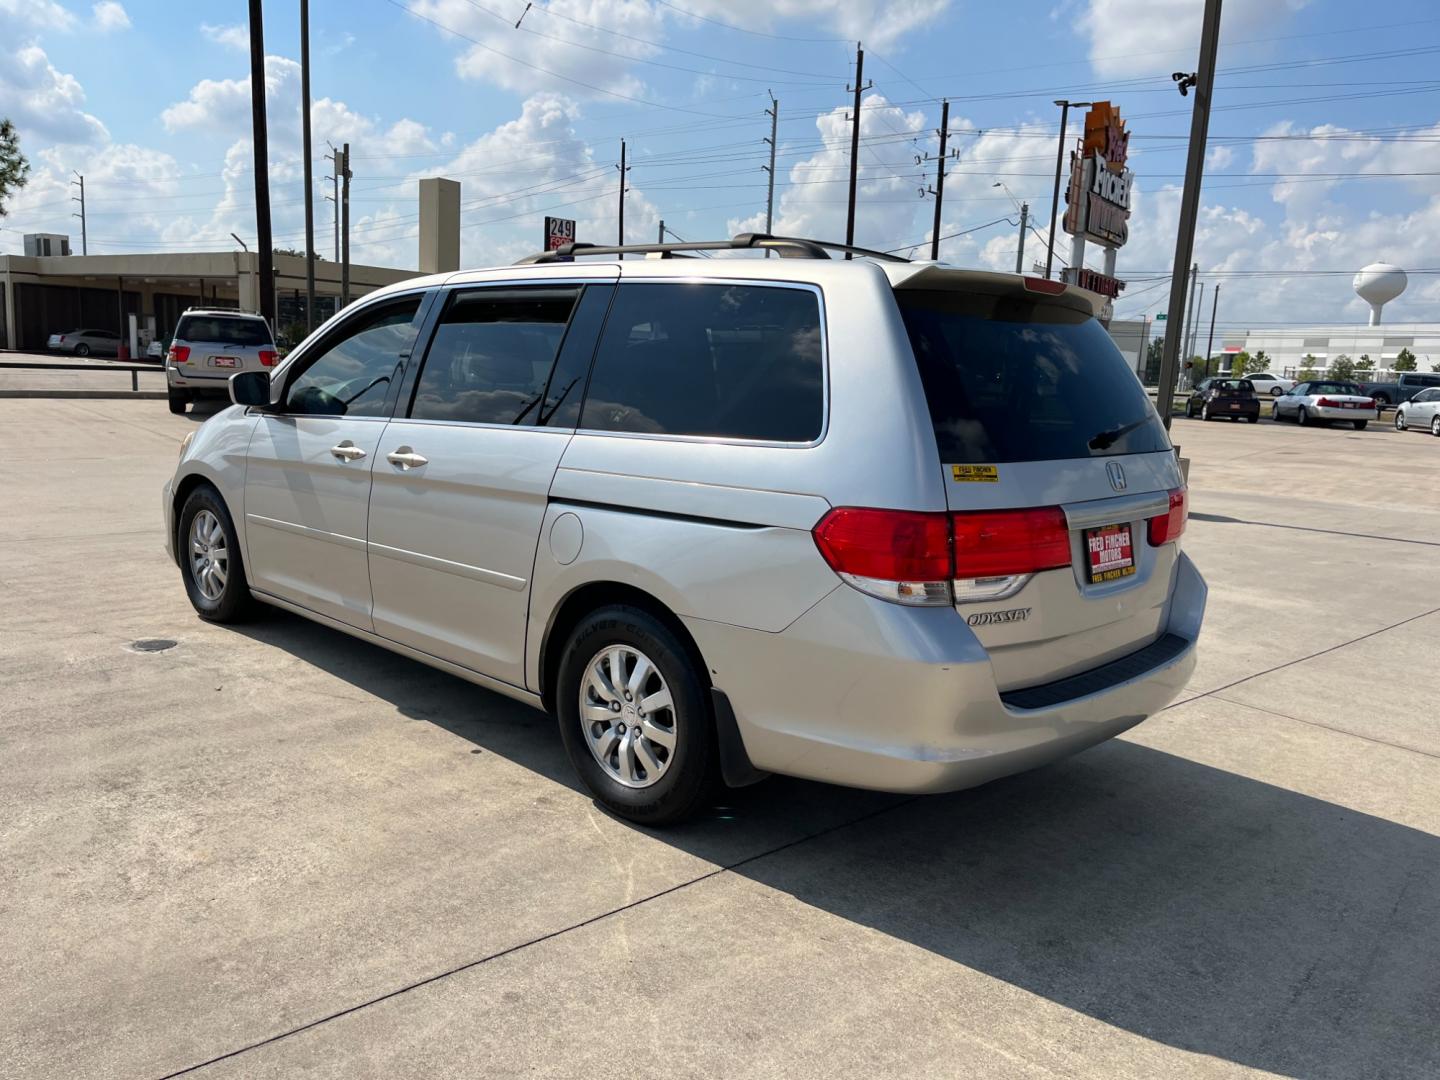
{"x":1435,"y":427}
{"x":210,"y":559}
{"x":1360,"y":424}
{"x":1303,"y":416}
{"x":1254,"y":419}
{"x":634,"y":717}
{"x":1189,"y":410}
{"x":1275,"y":391}
{"x":82,"y":349}
{"x":178,"y":400}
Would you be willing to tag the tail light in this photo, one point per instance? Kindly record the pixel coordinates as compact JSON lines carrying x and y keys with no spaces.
{"x":62,"y":339}
{"x":1326,"y":403}
{"x":1170,"y":525}
{"x":179,"y":354}
{"x":269,"y":357}
{"x":937,"y":559}
{"x":1043,"y":285}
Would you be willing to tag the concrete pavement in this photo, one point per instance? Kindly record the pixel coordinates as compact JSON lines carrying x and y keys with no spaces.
{"x":278,"y":851}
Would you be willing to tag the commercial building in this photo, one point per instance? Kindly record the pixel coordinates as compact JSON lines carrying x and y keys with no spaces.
{"x":1293,"y":349}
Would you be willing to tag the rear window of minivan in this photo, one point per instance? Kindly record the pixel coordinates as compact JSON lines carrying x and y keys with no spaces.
{"x":1009,"y":378}
{"x":217,"y":328}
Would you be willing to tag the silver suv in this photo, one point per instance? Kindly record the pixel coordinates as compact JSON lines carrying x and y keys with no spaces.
{"x":879,"y":523}
{"x":210,"y":346}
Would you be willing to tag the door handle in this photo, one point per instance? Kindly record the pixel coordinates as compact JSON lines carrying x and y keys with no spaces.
{"x":406,"y":458}
{"x":348,"y":450}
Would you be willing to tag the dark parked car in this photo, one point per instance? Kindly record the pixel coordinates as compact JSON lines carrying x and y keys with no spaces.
{"x":85,"y":342}
{"x":1405,"y":387}
{"x":1224,"y":397}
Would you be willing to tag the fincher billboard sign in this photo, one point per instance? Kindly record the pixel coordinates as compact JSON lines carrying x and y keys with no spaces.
{"x":1098,"y":197}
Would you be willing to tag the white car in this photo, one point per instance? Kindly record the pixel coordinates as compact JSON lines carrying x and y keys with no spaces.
{"x":1266,"y":383}
{"x":1323,"y":400}
{"x":1420,"y":413}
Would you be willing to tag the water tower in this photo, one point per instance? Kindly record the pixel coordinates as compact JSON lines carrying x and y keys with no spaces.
{"x":1377,"y":285}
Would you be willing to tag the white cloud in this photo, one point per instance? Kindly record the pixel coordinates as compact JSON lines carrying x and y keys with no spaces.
{"x":45,"y":104}
{"x":1138,"y":37}
{"x":34,"y":15}
{"x":881,"y":23}
{"x":110,"y":16}
{"x":1219,"y":157}
{"x":236,"y":36}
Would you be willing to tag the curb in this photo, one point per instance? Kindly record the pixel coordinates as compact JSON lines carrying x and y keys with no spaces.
{"x":146,"y":395}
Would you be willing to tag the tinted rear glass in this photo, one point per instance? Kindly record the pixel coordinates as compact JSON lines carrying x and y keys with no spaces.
{"x":1233,"y":386}
{"x":734,"y":361}
{"x":217,"y":328}
{"x":1013,"y":379}
{"x":1334,"y":388}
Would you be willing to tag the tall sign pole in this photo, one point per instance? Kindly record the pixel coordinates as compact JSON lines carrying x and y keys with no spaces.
{"x":1210,"y":345}
{"x":939,"y":189}
{"x":1203,"y":83}
{"x":259,"y":137}
{"x":84,"y":238}
{"x":620,"y":230}
{"x":774,"y":113}
{"x":1024,"y":223}
{"x":1055,"y":198}
{"x":345,"y":175}
{"x":309,"y":179}
{"x":860,"y":87}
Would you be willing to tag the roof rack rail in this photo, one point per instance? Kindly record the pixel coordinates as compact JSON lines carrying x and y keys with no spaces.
{"x":787,"y":247}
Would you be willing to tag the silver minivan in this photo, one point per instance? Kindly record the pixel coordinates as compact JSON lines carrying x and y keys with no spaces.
{"x":879,"y":523}
{"x":209,"y":346}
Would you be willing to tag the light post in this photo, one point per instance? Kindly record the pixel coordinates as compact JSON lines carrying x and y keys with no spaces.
{"x":1065,"y":107}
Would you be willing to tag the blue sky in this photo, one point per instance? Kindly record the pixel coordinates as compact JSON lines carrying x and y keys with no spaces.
{"x":1324,"y":117}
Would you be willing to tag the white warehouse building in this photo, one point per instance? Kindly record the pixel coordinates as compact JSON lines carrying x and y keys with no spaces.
{"x":1288,"y":348}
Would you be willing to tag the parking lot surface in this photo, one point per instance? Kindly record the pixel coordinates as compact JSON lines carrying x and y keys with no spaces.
{"x":278,"y":851}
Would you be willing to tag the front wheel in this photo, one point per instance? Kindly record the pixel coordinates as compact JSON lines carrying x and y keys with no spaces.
{"x":1361,"y":424}
{"x":1303,"y":416}
{"x":1400,"y":420}
{"x":1205,"y":411}
{"x":1435,"y":427}
{"x":210,"y":559}
{"x":635,"y":718}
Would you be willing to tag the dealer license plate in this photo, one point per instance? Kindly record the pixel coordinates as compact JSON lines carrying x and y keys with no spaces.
{"x":1110,"y":552}
{"x":222,"y":361}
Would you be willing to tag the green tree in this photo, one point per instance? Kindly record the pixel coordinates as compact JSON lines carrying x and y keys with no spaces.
{"x":1435,"y":367}
{"x":1259,"y":362}
{"x":1153,"y":352}
{"x":297,"y":253}
{"x":1364,"y":363}
{"x":1342,"y":367}
{"x":1405,"y":361}
{"x":1307,"y":369}
{"x":14,"y":169}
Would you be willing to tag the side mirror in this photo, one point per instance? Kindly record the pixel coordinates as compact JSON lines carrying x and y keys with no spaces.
{"x":250,"y":388}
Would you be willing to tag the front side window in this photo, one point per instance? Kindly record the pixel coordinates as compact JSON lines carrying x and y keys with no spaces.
{"x":354,"y":372}
{"x":728,"y":361}
{"x":492,"y":354}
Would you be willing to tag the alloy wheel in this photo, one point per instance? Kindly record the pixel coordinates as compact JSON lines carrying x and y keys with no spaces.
{"x":628,"y":716}
{"x":1435,"y":427}
{"x":209,"y":557}
{"x":1400,"y":421}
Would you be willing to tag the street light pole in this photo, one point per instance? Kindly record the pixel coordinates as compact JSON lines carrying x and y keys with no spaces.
{"x":1203,"y":82}
{"x":1059,"y":163}
{"x":265,"y":254}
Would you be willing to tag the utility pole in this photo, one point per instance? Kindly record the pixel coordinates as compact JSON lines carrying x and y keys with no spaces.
{"x":1202,"y":80}
{"x":939,"y":189}
{"x":623,"y":170}
{"x":1195,"y":326}
{"x":334,"y":158}
{"x":309,"y":179}
{"x":84,"y":242}
{"x":774,"y":113}
{"x":265,"y":285}
{"x":345,"y":175}
{"x":661,"y":237}
{"x":1059,"y":163}
{"x":859,"y":88}
{"x":1024,"y":222}
{"x":1188,"y":324}
{"x":1210,"y":345}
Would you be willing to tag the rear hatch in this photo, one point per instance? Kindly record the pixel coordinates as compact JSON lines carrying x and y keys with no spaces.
{"x":217,"y":346}
{"x":1037,"y":413}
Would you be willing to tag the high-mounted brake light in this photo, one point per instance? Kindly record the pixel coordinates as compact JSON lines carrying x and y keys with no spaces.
{"x":269,"y":357}
{"x":1170,"y":525}
{"x":179,"y":354}
{"x":1044,"y":285}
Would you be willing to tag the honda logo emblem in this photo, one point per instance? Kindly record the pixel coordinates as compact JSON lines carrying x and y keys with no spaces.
{"x":1116,"y":472}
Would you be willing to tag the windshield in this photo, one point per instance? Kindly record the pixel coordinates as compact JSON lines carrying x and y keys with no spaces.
{"x":1335,"y":388}
{"x":1009,"y":378}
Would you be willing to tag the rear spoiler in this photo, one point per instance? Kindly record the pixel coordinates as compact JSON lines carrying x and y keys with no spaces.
{"x":935,"y":277}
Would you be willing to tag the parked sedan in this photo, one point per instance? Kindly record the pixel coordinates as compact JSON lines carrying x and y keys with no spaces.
{"x":85,"y":342}
{"x":1234,"y":398}
{"x":1266,"y":383}
{"x":1320,"y":401}
{"x":1420,"y":413}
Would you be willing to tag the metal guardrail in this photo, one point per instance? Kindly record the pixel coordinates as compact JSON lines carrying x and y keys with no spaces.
{"x":133,"y":369}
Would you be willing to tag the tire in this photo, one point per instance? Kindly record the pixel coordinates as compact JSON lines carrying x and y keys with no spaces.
{"x":1275,"y":391}
{"x":1382,"y":399}
{"x":1189,"y":410}
{"x":1435,"y":426}
{"x":1205,"y":412}
{"x":1275,"y":413}
{"x":1302,"y":417}
{"x":689,"y":769}
{"x":1361,"y":424}
{"x":1254,"y":419}
{"x":82,"y":349}
{"x":178,"y":401}
{"x":1399,"y":420}
{"x":232,"y":601}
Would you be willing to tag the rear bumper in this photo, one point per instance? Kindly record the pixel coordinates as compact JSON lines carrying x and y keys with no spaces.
{"x":1344,"y":414}
{"x":217,"y":384}
{"x":875,"y":695}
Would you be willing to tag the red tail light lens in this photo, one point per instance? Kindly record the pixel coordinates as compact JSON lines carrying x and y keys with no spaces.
{"x":1169,"y":526}
{"x":1326,"y":403}
{"x":888,"y":545}
{"x":179,"y":354}
{"x":1002,"y":543}
{"x":269,"y":357}
{"x":1044,"y":285}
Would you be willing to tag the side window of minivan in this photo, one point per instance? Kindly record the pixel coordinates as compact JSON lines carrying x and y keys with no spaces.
{"x":726,"y":360}
{"x":355,"y":370}
{"x":492,"y":355}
